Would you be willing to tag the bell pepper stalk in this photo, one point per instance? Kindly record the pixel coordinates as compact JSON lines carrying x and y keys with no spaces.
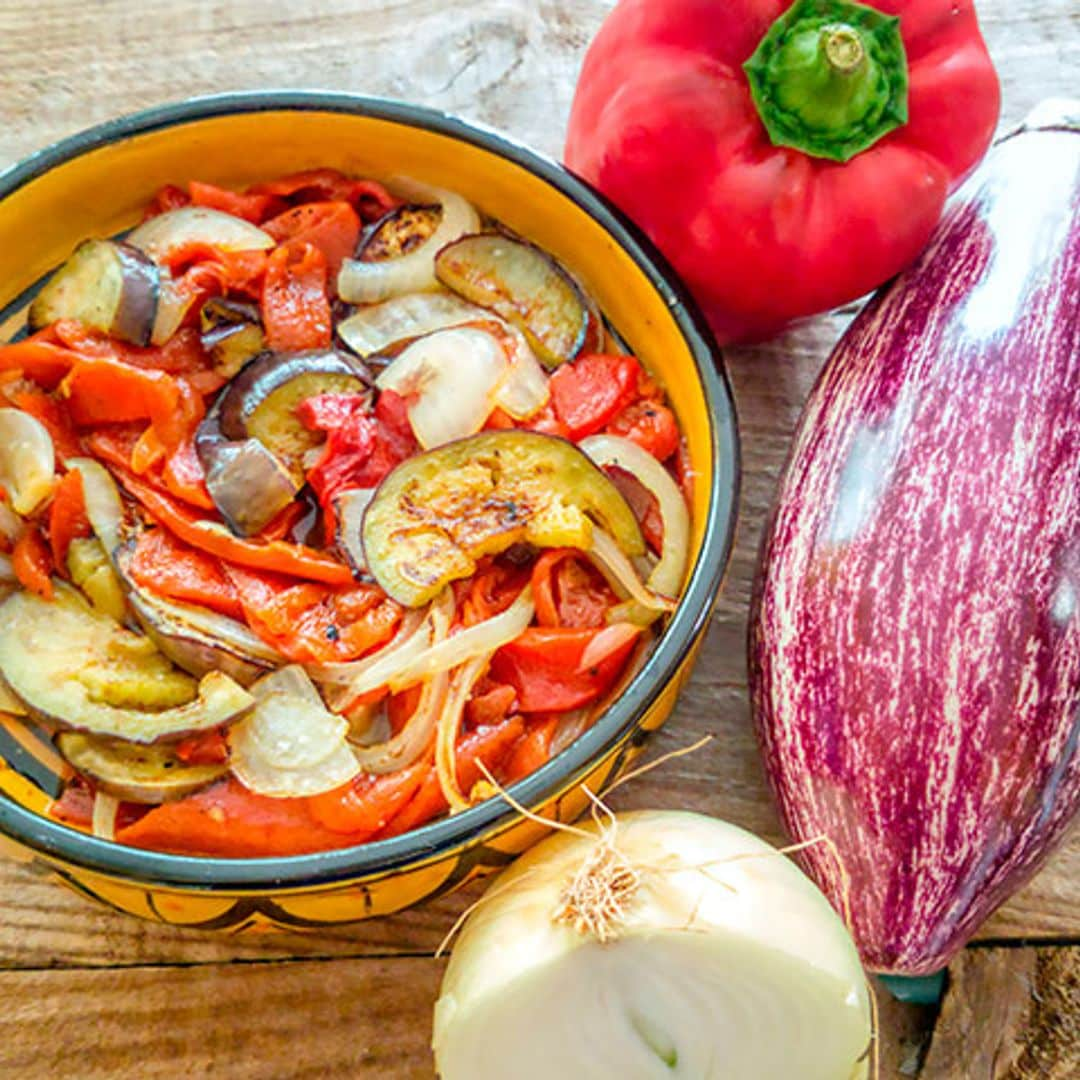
{"x":785,"y":161}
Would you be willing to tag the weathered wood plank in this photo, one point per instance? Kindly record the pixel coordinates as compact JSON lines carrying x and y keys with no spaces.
{"x":349,"y":1018}
{"x":1009,"y":1014}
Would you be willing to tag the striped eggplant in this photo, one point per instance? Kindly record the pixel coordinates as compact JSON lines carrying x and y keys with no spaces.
{"x":915,"y":638}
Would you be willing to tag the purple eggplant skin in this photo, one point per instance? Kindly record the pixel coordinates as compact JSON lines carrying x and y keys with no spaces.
{"x":914,"y":645}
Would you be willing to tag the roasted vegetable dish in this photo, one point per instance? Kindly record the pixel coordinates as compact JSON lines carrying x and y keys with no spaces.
{"x":325,"y":506}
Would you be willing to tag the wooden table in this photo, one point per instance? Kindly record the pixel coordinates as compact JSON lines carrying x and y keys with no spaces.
{"x":87,"y":993}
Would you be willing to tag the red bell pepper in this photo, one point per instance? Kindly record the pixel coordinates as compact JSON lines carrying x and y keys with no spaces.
{"x":591,"y":391}
{"x":253,"y":208}
{"x":67,"y":517}
{"x":367,"y":803}
{"x":370,"y":199}
{"x":649,"y":424}
{"x":295,"y":301}
{"x":568,"y":592}
{"x":333,"y":227}
{"x":543,"y":665}
{"x":785,"y":159}
{"x":169,"y":567}
{"x":31,"y":560}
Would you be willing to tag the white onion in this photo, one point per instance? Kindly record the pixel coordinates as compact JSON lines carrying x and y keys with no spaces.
{"x":27,"y":460}
{"x":479,"y":640}
{"x":717,"y":958}
{"x":369,"y":282}
{"x":104,"y":507}
{"x":290,"y":745}
{"x":667,"y":576}
{"x":612,"y":562}
{"x":197,"y":225}
{"x":450,"y":378}
{"x":172,"y":308}
{"x":103,"y":817}
{"x":414,"y":738}
{"x":461,"y":685}
{"x":524,"y":390}
{"x":372,"y":329}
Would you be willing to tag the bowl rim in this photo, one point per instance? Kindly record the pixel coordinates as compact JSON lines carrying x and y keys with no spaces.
{"x":619,"y":724}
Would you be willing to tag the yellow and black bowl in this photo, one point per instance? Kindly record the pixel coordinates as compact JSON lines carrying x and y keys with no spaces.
{"x":95,"y":184}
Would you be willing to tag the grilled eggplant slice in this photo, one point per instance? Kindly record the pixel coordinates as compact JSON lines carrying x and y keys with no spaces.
{"x":437,"y":513}
{"x":249,"y":485}
{"x":110,"y":286}
{"x":141,"y":774}
{"x":400,"y":231}
{"x":232,"y":334}
{"x":528,"y":288}
{"x":75,"y":668}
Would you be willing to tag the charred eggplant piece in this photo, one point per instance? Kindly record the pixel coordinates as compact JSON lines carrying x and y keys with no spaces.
{"x":437,"y":513}
{"x":232,"y":334}
{"x":403,"y":229}
{"x":249,"y":485}
{"x":197,"y":225}
{"x":528,"y":288}
{"x":106,"y":285}
{"x":141,"y":774}
{"x":75,"y":668}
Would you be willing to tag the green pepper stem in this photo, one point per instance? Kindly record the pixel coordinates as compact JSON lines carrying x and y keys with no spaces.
{"x":830,"y":78}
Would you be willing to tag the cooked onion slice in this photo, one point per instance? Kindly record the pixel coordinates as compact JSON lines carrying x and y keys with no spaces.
{"x":613,"y":450}
{"x":612,"y":562}
{"x":369,"y":282}
{"x":450,"y":379}
{"x":461,"y":685}
{"x":104,"y":507}
{"x":27,"y":460}
{"x":290,"y":745}
{"x":669,"y":945}
{"x":376,"y":328}
{"x":197,"y":225}
{"x":524,"y":390}
{"x":371,"y":672}
{"x":415,"y":737}
{"x":477,"y":641}
{"x":103,"y":818}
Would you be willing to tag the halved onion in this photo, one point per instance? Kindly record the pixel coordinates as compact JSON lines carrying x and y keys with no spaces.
{"x":479,"y":640}
{"x":450,"y":378}
{"x":291,"y":745}
{"x":612,"y":562}
{"x":408,"y":744}
{"x":369,"y":282}
{"x":197,"y":225}
{"x":27,"y":460}
{"x":613,"y":450}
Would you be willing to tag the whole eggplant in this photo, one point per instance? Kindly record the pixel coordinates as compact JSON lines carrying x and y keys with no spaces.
{"x":915,"y":638}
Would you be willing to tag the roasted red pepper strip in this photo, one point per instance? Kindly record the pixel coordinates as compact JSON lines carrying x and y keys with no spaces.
{"x":333,"y":227}
{"x":649,"y":424}
{"x":169,"y":197}
{"x":32,"y":562}
{"x":367,"y":804}
{"x":67,"y":517}
{"x":169,"y":567}
{"x":295,"y":301}
{"x":589,"y":392}
{"x":204,"y":748}
{"x":543,"y":666}
{"x":253,"y":208}
{"x":569,"y":593}
{"x":312,"y":623}
{"x":212,"y":537}
{"x":228,"y":820}
{"x":489,"y":745}
{"x":43,"y":362}
{"x":533,"y":749}
{"x":370,"y":199}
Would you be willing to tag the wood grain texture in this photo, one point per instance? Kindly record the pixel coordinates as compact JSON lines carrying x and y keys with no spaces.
{"x":511,"y":63}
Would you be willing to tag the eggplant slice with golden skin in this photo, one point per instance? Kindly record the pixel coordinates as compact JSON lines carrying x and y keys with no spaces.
{"x":232,"y":334}
{"x":400,"y":231}
{"x":526,"y":287}
{"x":438,"y":512}
{"x":140,"y":774}
{"x":75,"y":668}
{"x":107,"y":286}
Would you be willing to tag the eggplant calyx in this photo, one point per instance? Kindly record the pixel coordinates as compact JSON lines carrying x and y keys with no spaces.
{"x":830,"y":78}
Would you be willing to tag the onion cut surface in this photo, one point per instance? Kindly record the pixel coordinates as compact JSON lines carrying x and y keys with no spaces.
{"x":27,"y":460}
{"x":720,"y":960}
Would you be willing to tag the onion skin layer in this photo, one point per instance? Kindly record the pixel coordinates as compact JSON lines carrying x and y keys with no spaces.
{"x":915,"y":641}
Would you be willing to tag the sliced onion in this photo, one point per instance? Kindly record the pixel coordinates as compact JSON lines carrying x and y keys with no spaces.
{"x":376,"y":328}
{"x":291,"y":745}
{"x":666,"y":944}
{"x":413,"y":636}
{"x":612,"y":562}
{"x":415,"y":737}
{"x":176,"y":229}
{"x":369,"y":282}
{"x":461,"y":685}
{"x":606,"y":450}
{"x":104,"y":507}
{"x":479,"y":640}
{"x":524,"y":390}
{"x":450,"y":378}
{"x":27,"y":460}
{"x":103,"y":818}
{"x":172,"y":308}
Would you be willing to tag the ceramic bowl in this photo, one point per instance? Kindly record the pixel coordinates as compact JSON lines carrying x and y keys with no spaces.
{"x":95,"y":184}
